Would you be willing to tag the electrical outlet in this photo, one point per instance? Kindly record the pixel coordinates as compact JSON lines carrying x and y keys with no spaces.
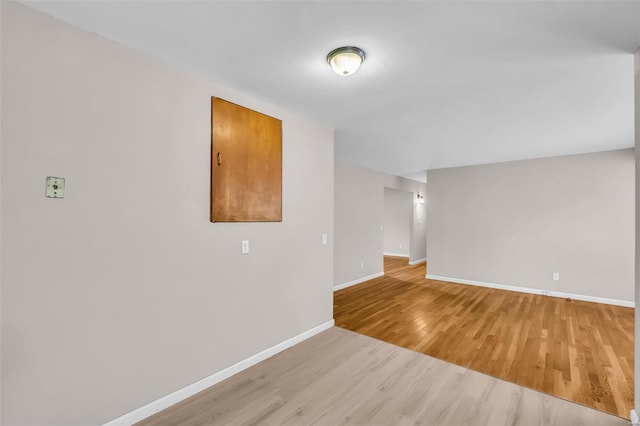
{"x":245,"y":246}
{"x":556,"y":276}
{"x":324,"y":239}
{"x":361,"y":265}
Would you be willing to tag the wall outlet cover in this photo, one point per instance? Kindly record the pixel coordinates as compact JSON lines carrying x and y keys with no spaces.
{"x":55,"y":187}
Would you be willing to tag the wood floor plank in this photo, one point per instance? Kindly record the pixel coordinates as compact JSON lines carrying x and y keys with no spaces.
{"x":575,"y":350}
{"x":342,"y":378}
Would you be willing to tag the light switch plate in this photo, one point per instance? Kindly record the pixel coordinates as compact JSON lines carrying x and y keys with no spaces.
{"x":245,"y":246}
{"x":55,"y":187}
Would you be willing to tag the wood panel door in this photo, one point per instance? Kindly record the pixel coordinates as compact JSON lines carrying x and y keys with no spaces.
{"x":246,"y":164}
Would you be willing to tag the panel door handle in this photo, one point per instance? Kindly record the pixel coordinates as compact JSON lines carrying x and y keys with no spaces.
{"x":219,"y":159}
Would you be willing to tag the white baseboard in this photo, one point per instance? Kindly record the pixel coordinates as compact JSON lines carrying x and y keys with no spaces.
{"x":395,"y":254}
{"x":184,"y":393}
{"x":627,"y":303}
{"x":418,"y":261}
{"x":635,"y":420}
{"x":358,"y":281}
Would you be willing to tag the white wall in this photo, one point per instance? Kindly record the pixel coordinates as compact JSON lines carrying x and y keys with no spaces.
{"x":1,"y":133}
{"x":637,"y":233}
{"x":516,"y":223}
{"x":123,"y":291}
{"x":359,"y":213}
{"x":398,"y":222}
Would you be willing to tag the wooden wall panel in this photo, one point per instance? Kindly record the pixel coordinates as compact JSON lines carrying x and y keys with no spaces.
{"x":246,"y":164}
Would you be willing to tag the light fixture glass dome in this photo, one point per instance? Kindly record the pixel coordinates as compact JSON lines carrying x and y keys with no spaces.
{"x":345,"y":60}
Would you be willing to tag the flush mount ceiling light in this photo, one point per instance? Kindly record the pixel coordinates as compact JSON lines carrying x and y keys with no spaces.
{"x":345,"y":60}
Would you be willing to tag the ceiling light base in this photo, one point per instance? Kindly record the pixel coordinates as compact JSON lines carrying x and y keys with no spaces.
{"x":346,"y":60}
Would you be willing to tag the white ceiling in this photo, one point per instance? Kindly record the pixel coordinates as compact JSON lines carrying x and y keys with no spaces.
{"x":444,"y":83}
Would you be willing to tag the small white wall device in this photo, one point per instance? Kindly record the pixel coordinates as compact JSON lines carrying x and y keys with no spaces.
{"x":55,"y":187}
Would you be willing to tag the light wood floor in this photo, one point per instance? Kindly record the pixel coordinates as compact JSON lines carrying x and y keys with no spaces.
{"x":342,"y":378}
{"x":575,"y":350}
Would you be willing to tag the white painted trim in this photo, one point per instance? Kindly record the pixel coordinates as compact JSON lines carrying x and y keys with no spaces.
{"x":635,"y":420}
{"x":184,"y":393}
{"x":627,"y":303}
{"x":418,"y":261}
{"x":395,"y":254}
{"x":358,"y":281}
